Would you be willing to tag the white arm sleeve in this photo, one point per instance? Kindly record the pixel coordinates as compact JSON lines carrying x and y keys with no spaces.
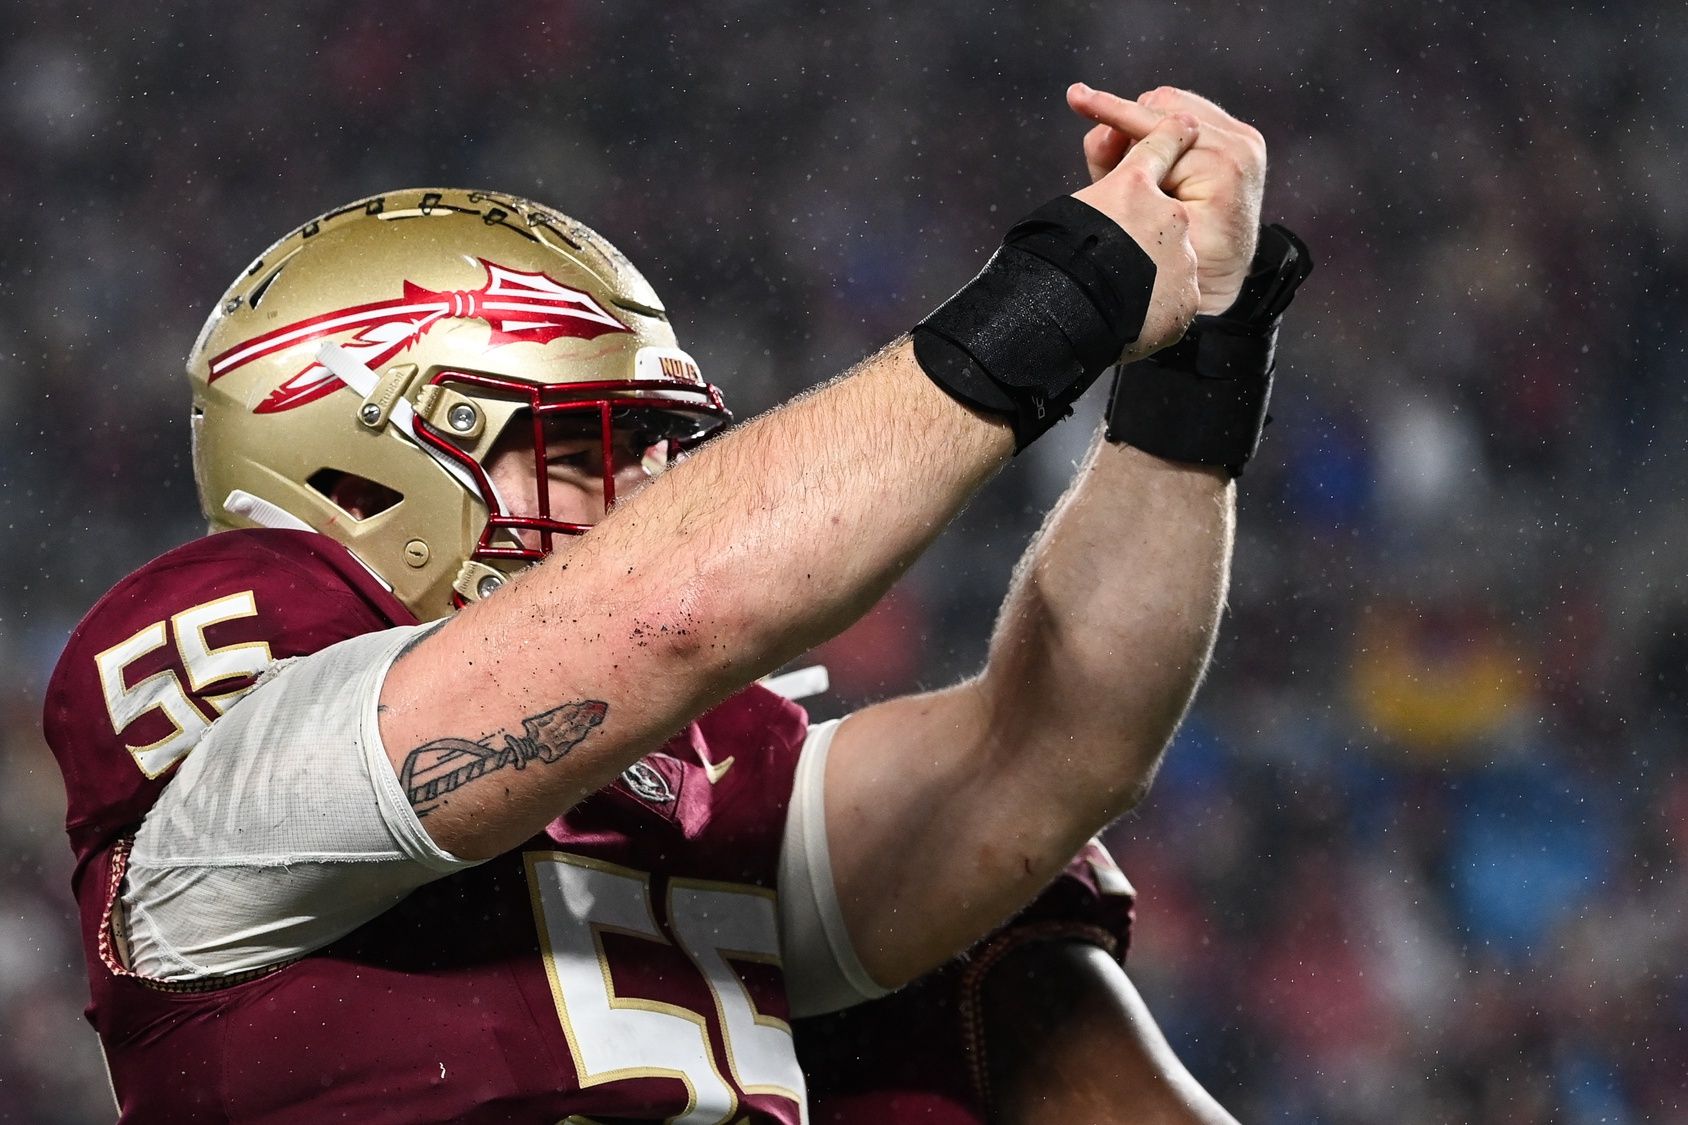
{"x":822,"y":971}
{"x":284,"y":829}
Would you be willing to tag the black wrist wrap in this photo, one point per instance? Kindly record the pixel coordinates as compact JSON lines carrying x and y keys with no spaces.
{"x":1204,"y":399}
{"x":1051,"y":310}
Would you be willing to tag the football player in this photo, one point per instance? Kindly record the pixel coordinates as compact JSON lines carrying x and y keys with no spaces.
{"x":437,"y":784}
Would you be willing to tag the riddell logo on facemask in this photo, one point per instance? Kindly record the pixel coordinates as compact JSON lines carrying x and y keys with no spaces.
{"x":520,"y":307}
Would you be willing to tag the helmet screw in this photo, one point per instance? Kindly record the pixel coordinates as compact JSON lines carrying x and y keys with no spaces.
{"x":461,"y":418}
{"x":370,"y":413}
{"x":416,"y":554}
{"x":488,"y":584}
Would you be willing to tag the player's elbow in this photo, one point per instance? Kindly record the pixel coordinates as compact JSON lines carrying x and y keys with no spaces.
{"x":1104,"y":777}
{"x":695,"y":634}
{"x":1130,"y":789}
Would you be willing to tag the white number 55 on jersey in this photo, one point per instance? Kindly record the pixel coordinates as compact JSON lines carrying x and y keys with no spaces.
{"x":164,"y":691}
{"x":613,"y":1038}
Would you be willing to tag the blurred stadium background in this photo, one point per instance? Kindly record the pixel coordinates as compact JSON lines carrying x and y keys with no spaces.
{"x":1421,"y":851}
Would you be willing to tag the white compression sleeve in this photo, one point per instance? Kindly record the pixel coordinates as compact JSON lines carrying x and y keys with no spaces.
{"x":822,"y":971}
{"x":284,"y":829}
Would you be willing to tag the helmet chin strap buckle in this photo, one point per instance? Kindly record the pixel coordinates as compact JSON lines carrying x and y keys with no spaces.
{"x":477,"y":580}
{"x":450,"y":412}
{"x":389,"y":391}
{"x":384,"y":401}
{"x":382,"y":394}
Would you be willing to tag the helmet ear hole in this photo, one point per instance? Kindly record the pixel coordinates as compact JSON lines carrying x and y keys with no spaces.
{"x":359,"y":497}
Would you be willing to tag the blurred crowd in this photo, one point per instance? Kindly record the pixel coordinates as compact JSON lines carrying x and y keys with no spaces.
{"x":1420,"y":853}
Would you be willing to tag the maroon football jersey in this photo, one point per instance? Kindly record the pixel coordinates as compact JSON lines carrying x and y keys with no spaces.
{"x":622,"y":964}
{"x":176,"y":643}
{"x":915,"y":1055}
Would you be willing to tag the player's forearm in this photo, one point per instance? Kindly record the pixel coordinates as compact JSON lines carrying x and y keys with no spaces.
{"x":768,"y":540}
{"x":1109,"y":623}
{"x":780,"y":534}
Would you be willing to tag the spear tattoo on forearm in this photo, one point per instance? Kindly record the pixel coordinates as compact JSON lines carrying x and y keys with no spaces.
{"x":436,"y":768}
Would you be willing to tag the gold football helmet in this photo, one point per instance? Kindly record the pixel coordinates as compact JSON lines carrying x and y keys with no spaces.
{"x":395,"y":340}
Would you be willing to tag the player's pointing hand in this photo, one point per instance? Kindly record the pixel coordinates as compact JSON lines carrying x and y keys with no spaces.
{"x":1131,"y":194}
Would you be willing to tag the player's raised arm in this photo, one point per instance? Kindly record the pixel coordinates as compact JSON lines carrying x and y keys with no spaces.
{"x":779,"y":533}
{"x":1105,"y":632}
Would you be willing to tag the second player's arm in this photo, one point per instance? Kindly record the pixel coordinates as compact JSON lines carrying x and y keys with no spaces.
{"x":998,"y":782}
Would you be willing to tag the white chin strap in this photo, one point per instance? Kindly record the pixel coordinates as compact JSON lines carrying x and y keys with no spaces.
{"x":262,"y":512}
{"x":800,"y":684}
{"x":265,"y":514}
{"x":356,"y":374}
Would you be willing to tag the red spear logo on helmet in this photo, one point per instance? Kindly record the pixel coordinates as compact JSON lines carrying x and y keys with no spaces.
{"x":519,"y":306}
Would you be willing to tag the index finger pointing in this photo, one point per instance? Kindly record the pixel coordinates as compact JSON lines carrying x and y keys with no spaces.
{"x":1110,"y":109}
{"x":1157,"y":152}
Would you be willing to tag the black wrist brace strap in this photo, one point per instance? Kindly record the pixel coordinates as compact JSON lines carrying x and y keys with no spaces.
{"x":1204,"y":399}
{"x":1051,"y":310}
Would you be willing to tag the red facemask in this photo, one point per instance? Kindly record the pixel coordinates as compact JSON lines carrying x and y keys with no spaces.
{"x":676,"y":414}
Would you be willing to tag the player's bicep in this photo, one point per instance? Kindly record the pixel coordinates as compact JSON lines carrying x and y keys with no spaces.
{"x":937,"y":829}
{"x":284,"y":829}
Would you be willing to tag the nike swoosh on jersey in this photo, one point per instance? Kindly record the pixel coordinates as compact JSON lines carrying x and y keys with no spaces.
{"x":717,"y":770}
